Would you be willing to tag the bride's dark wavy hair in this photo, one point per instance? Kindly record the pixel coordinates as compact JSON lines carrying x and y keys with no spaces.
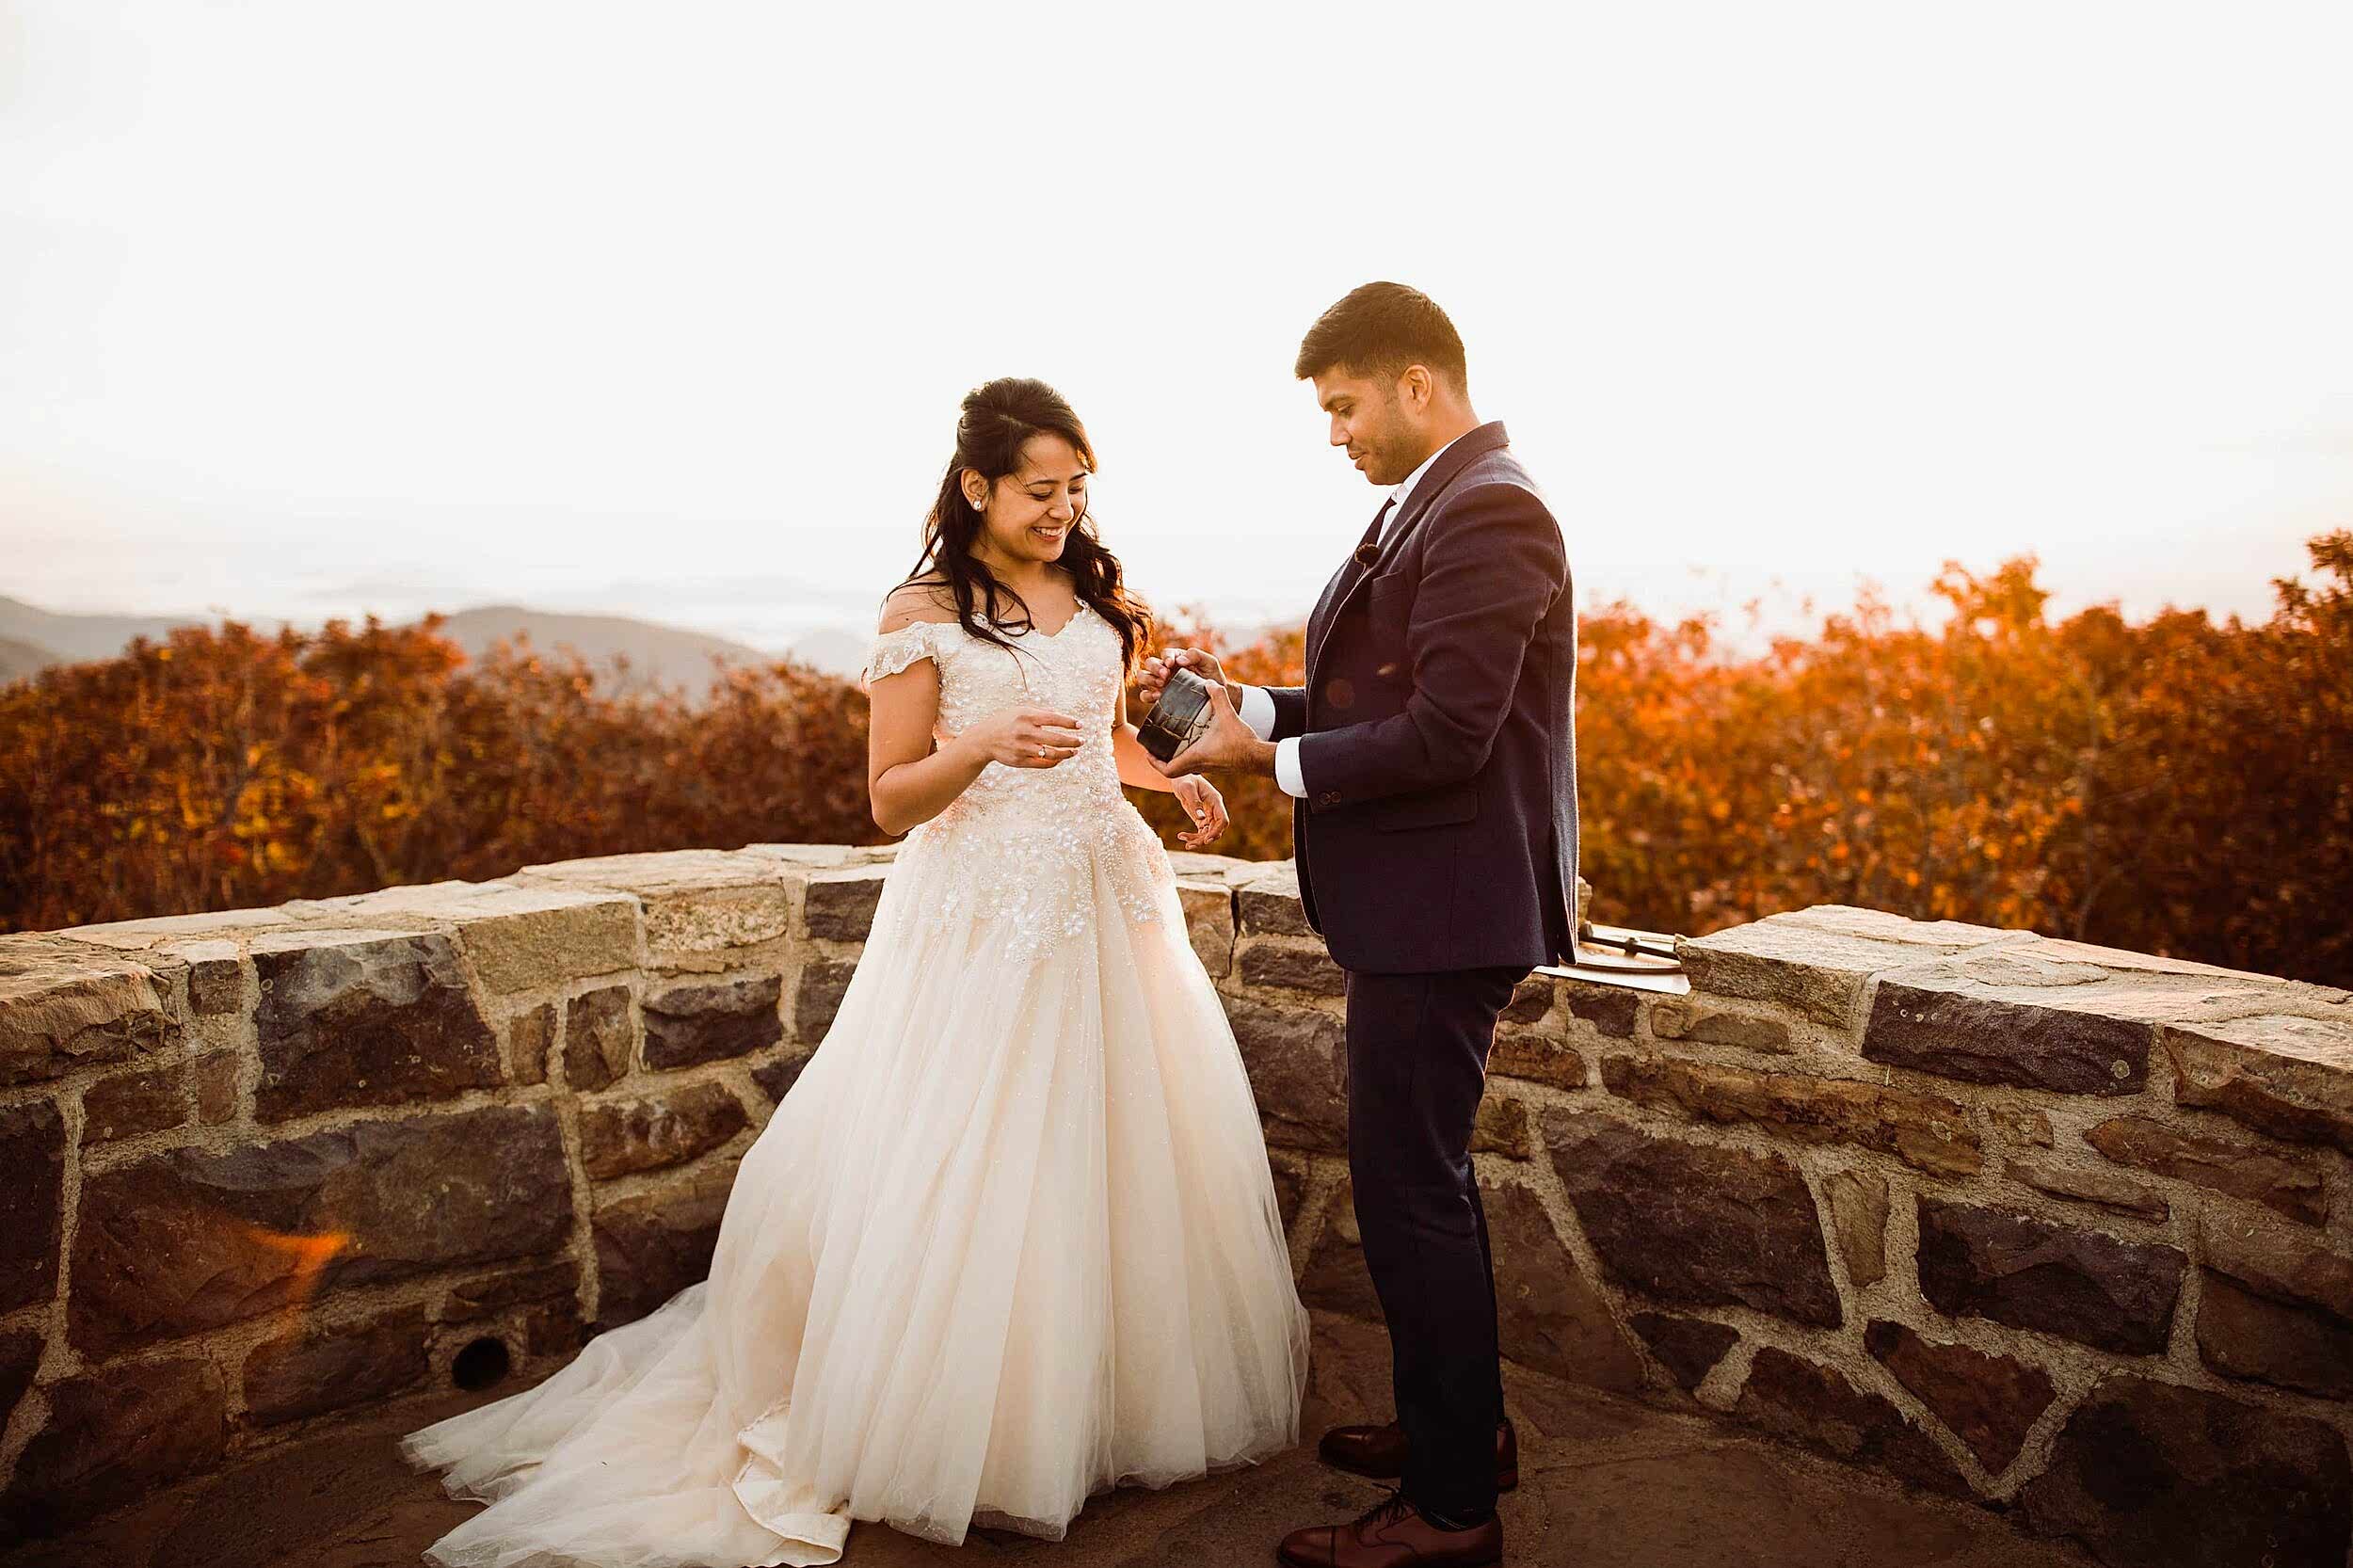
{"x":998,"y":421}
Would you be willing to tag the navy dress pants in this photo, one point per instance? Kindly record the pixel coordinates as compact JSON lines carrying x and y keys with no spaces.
{"x":1416,"y":1067}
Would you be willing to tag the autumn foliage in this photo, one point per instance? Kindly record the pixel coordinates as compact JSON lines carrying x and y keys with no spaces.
{"x":2177,"y":786}
{"x":223,"y":769}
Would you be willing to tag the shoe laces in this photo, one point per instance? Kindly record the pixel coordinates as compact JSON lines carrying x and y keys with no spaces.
{"x":1388,"y":1511}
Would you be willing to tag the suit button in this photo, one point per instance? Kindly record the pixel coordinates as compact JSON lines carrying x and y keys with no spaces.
{"x":1328,"y":798}
{"x":1340,"y":693}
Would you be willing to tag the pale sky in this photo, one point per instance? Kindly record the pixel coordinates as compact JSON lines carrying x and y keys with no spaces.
{"x":665,"y":309}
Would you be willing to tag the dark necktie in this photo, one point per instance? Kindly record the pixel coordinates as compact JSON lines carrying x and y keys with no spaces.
{"x":1370,"y":550}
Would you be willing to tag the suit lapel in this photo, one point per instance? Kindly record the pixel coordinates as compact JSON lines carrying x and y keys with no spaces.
{"x":1474,"y":443}
{"x":1343,"y":580}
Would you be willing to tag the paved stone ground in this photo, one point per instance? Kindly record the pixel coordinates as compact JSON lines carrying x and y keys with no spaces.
{"x":1602,"y":1481}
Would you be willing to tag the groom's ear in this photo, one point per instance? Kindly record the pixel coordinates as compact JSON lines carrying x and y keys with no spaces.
{"x":1415,"y":387}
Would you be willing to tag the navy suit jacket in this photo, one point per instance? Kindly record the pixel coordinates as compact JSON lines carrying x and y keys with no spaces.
{"x":1438,"y":744}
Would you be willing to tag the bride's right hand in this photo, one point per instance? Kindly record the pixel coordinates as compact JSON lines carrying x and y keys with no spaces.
{"x":1201,"y":662}
{"x":1025,"y":737}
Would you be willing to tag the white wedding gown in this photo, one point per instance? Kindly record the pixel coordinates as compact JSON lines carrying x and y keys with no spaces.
{"x":1010,"y":1240}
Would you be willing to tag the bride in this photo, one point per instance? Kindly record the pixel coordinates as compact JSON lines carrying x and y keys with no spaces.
{"x":1010,"y":1239}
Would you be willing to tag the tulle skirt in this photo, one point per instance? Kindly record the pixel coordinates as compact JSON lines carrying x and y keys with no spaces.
{"x":1010,"y":1240}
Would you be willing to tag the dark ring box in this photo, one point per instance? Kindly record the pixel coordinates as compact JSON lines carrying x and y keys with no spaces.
{"x":1178,"y":718}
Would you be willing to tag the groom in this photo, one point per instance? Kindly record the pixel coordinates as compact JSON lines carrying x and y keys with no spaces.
{"x":1432,"y":760}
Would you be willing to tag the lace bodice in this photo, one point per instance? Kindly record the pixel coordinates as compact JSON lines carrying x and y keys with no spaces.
{"x":1026,"y":844}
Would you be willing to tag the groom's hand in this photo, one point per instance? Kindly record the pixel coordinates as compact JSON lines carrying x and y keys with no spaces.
{"x":1153,"y":676}
{"x":1228,"y":742}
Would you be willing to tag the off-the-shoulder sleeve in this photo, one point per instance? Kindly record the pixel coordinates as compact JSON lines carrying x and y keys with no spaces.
{"x":895,"y":651}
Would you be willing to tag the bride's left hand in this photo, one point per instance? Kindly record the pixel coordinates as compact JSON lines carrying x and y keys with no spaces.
{"x":1204,"y":805}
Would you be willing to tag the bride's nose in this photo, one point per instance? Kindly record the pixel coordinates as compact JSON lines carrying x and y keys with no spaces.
{"x":1062,"y":511}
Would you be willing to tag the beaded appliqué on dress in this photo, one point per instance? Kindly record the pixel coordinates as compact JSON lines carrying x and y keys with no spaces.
{"x":1025,"y":845}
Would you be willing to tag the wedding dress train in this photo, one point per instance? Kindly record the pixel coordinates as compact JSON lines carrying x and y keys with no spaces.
{"x":1010,"y":1240}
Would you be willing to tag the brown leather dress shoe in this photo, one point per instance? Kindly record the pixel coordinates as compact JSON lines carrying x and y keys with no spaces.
{"x":1380,"y":1452}
{"x":1391,"y":1534}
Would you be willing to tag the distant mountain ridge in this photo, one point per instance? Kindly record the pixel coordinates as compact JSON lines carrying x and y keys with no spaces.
{"x":71,"y":638}
{"x":657,"y":654}
{"x":32,"y":639}
{"x":19,"y":658}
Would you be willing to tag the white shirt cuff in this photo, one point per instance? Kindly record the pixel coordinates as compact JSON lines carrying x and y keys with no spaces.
{"x":1286,"y":767}
{"x":1256,"y":710}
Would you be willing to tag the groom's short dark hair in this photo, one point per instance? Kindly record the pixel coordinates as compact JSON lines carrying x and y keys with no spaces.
{"x":1378,"y":330}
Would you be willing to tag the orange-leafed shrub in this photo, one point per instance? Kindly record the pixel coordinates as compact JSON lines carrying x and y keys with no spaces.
{"x":223,"y":769}
{"x":2179,"y":786}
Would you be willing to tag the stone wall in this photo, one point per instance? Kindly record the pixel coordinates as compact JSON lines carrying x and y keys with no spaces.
{"x":2058,"y":1229}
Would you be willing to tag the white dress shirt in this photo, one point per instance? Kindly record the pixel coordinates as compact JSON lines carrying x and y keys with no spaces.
{"x":1258,"y":709}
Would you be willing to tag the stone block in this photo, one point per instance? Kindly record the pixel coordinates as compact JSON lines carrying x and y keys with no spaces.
{"x":215,"y":977}
{"x":2030,"y":1274}
{"x":651,"y":1246}
{"x":2149,"y":1475}
{"x":64,"y":1007}
{"x":776,"y":1079}
{"x":2233,"y":1166}
{"x":1269,"y":903}
{"x":1289,"y":1179}
{"x":1336,"y":1277}
{"x":190,"y":1239}
{"x":21,"y":1352}
{"x":476,"y":1299}
{"x":1925,"y":1131}
{"x":527,"y":939}
{"x":1692,"y":1222}
{"x":700,"y":903}
{"x":817,"y":997}
{"x":213,"y":1079}
{"x":600,"y":1038}
{"x":1688,"y":1348}
{"x":365,"y":1017}
{"x":32,"y":1152}
{"x":2276,"y":1262}
{"x":1531,"y":1001}
{"x":127,"y":1104}
{"x":1857,"y":1201}
{"x":1205,"y":866}
{"x":713,"y":1021}
{"x":1954,"y":1029}
{"x":1293,"y":968}
{"x":2017,"y":1125}
{"x":2286,"y":1344}
{"x":1536,"y":1056}
{"x":1209,"y":924}
{"x":1548,"y":1315}
{"x":1816,"y":1407}
{"x":1297,"y":1061}
{"x":2108,"y":1188}
{"x":838,"y":907}
{"x":2287,"y":1076}
{"x":1681,"y":1018}
{"x":310,"y":1372}
{"x":1501,"y":1128}
{"x":530,"y":1040}
{"x":162,"y":933}
{"x":805,"y":857}
{"x":1990,"y":1402}
{"x":114,"y":1436}
{"x":1817,"y":960}
{"x":1608,"y":1010}
{"x":618,"y":1138}
{"x":520,"y":937}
